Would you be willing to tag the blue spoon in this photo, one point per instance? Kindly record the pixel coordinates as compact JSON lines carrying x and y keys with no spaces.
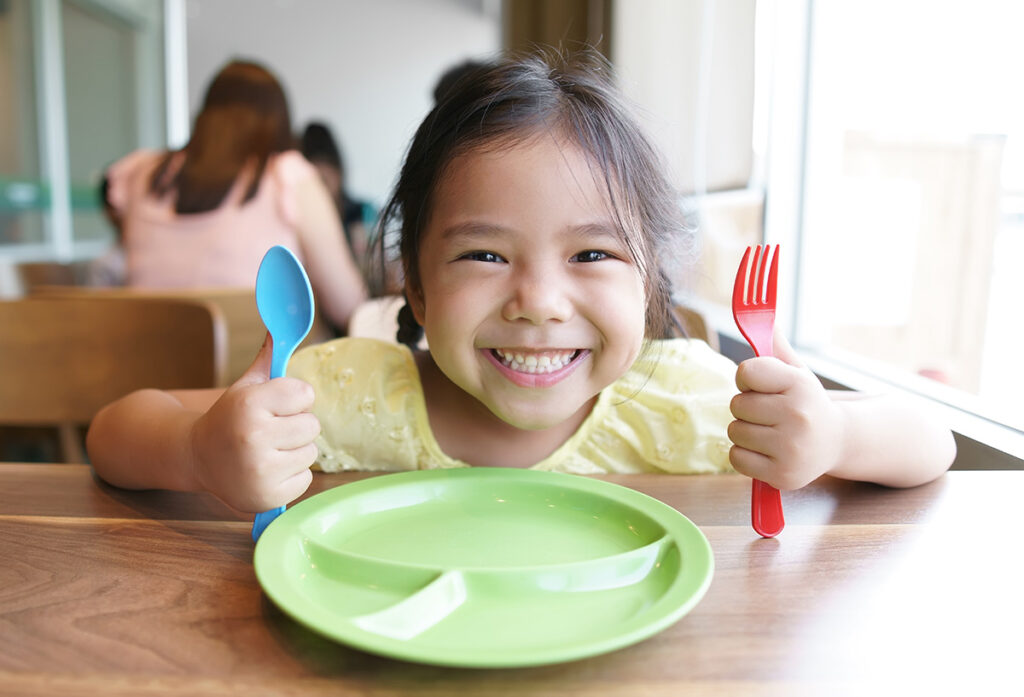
{"x":285,"y":301}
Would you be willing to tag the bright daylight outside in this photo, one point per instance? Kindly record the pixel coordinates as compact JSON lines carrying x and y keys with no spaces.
{"x":913,"y":230}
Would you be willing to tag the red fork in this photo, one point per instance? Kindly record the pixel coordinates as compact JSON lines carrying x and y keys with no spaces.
{"x":753,"y":308}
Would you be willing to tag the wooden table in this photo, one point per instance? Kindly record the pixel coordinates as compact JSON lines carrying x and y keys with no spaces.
{"x":867,"y":591}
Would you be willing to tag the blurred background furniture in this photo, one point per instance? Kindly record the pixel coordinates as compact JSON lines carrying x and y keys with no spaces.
{"x":245,"y":330}
{"x":63,"y":358}
{"x":31,"y":274}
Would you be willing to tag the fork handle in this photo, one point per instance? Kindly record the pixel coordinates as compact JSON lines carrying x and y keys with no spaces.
{"x":766,"y":509}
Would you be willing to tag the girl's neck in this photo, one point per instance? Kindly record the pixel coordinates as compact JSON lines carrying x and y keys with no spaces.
{"x":467,"y":430}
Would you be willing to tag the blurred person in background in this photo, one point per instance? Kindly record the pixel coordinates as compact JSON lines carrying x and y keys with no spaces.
{"x":107,"y":269}
{"x":319,"y":146}
{"x":204,"y":215}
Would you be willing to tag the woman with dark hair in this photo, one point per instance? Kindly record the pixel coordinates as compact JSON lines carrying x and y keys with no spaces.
{"x":204,"y":215}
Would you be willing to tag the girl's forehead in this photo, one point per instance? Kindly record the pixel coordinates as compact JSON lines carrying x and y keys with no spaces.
{"x":543,"y":166}
{"x":545,"y":188}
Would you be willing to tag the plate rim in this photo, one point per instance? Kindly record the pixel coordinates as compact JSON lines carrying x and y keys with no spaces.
{"x":694,"y":544}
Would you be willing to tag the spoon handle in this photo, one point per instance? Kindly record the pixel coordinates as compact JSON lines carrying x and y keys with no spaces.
{"x":263,"y":519}
{"x":278,"y":365}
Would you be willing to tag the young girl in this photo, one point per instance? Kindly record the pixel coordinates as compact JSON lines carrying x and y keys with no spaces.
{"x":533,"y":216}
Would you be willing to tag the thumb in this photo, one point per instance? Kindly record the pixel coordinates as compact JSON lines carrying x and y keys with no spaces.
{"x":783,"y":351}
{"x":259,"y":371}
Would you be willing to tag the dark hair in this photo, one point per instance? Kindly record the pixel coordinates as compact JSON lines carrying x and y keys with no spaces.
{"x":318,"y":145}
{"x":244,"y":119}
{"x":454,"y":74}
{"x":508,"y":102}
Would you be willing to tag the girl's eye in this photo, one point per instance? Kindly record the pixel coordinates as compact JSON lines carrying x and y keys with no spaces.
{"x":489,"y":257}
{"x":591,"y":255}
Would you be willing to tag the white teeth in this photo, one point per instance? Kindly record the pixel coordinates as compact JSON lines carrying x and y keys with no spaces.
{"x":545,"y":362}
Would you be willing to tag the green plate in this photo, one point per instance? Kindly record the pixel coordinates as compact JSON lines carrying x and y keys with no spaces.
{"x":484,"y":567}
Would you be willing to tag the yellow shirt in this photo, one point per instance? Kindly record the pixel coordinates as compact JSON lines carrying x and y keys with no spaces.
{"x":669,"y":413}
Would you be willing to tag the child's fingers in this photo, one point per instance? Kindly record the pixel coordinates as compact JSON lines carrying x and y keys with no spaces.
{"x":750,"y":463}
{"x":284,"y":475}
{"x":293,"y":487}
{"x":292,"y":461}
{"x":768,"y":375}
{"x":259,"y":370}
{"x":756,"y":407}
{"x":754,"y":437}
{"x":281,"y":397}
{"x":296,"y":431}
{"x":783,"y":351}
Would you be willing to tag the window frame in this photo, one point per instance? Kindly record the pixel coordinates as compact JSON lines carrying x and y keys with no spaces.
{"x":983,"y":442}
{"x":46,"y":22}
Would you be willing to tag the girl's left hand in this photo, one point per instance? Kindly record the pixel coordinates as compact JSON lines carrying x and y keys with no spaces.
{"x":788,"y":430}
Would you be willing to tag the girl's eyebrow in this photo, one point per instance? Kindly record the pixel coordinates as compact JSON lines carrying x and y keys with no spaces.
{"x":471,"y":230}
{"x":601,"y":230}
{"x":475,"y":230}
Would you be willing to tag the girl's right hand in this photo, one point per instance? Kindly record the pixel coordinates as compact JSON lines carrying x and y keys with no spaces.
{"x":253,"y":448}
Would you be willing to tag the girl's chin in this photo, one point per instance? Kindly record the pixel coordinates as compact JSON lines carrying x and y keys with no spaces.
{"x":534,"y":417}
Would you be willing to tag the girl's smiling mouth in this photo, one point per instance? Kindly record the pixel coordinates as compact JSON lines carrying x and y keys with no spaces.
{"x":531,"y":368}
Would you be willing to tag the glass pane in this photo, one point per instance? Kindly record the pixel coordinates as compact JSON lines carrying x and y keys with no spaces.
{"x":914,"y":194}
{"x":23,"y":196}
{"x":99,"y":78}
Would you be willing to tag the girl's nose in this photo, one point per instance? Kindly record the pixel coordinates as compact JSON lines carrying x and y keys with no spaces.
{"x":538,"y":296}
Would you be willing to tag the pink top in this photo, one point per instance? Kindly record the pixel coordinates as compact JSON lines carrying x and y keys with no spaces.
{"x":219,"y":248}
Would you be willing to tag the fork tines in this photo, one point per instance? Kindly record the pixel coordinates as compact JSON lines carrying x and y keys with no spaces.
{"x":757,"y":291}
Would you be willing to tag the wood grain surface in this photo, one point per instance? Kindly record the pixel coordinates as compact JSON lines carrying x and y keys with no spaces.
{"x":867,"y":591}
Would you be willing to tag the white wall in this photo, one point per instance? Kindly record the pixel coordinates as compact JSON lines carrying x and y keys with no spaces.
{"x":366,"y":67}
{"x":689,"y":66}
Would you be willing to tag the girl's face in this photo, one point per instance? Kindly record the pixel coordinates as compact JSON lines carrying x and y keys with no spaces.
{"x":530,"y":301}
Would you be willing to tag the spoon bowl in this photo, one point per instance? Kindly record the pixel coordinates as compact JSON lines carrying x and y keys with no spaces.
{"x":284,"y":299}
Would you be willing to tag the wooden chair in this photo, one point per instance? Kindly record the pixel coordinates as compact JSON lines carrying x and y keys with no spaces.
{"x":63,"y":358}
{"x":245,"y":330}
{"x":32,"y":274}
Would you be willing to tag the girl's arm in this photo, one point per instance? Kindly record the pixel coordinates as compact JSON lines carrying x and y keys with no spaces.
{"x":250,"y":445}
{"x":143,"y":440}
{"x":790,"y":430}
{"x":890,"y":442}
{"x":336,"y":278}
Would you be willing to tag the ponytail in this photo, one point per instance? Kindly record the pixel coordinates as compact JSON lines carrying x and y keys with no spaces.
{"x":410,"y":332}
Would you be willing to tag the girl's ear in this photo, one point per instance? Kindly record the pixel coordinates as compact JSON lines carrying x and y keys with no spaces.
{"x":416,"y":304}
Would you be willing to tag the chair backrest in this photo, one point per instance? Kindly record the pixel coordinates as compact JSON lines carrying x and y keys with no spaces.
{"x":63,"y":358}
{"x":245,"y":330}
{"x":32,"y":274}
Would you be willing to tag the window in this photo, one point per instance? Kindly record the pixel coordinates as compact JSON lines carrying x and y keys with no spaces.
{"x":68,"y":67}
{"x":21,"y":194}
{"x":882,"y":144}
{"x":899,"y":134}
